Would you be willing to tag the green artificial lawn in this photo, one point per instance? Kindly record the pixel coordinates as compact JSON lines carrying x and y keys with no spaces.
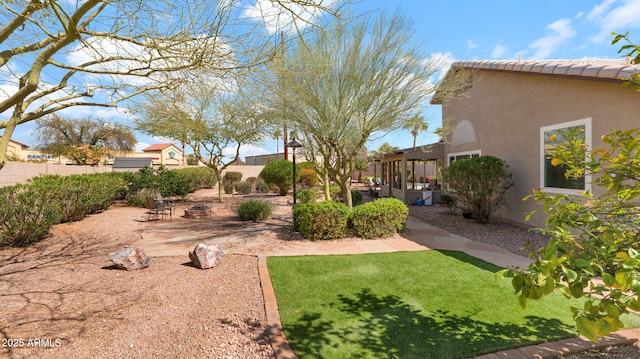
{"x":427,"y":304}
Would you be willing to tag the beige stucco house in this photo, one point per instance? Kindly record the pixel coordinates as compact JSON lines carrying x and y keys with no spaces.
{"x":507,"y":109}
{"x":165,"y":154}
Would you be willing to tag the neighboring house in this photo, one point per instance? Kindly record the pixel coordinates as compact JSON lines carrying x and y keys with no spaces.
{"x":165,"y":154}
{"x":19,"y":150}
{"x":131,"y":164}
{"x":510,"y":110}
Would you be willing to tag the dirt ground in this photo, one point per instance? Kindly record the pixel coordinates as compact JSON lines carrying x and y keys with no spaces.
{"x":62,"y":298}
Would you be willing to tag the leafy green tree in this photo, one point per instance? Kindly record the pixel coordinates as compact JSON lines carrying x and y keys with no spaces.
{"x":280,"y":174}
{"x":213,"y":122}
{"x":354,"y":80}
{"x":85,"y":141}
{"x":478,"y":185}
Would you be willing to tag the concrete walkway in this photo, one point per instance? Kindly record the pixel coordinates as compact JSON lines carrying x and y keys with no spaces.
{"x":422,"y":236}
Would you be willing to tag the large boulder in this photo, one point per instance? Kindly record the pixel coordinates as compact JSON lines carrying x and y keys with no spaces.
{"x":206,"y":256}
{"x":130,"y":258}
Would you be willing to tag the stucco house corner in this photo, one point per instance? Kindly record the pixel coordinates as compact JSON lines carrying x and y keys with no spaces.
{"x":507,"y":109}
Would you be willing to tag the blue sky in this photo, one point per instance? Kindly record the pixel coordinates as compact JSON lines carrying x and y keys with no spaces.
{"x":472,"y":29}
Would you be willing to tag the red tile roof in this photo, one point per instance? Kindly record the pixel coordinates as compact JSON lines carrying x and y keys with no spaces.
{"x":158,"y":147}
{"x":597,"y":68}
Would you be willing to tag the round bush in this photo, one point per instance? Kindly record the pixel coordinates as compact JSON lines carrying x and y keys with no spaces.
{"x":252,"y":180}
{"x":244,"y":187}
{"x":479,"y":185}
{"x":232,"y":176}
{"x":262,"y":187}
{"x":323,"y":220}
{"x":254,"y":210}
{"x":280,"y":174}
{"x":306,"y":196}
{"x":380,"y":218}
{"x":308,"y":177}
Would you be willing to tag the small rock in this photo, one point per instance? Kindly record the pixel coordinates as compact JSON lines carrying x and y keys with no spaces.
{"x":130,"y":258}
{"x":206,"y":256}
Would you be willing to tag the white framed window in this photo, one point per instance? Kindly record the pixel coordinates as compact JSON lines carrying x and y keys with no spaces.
{"x":552,"y":178}
{"x":452,"y":157}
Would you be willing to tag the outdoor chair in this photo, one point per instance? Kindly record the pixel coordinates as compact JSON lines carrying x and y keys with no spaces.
{"x":167,"y":202}
{"x":156,"y":208}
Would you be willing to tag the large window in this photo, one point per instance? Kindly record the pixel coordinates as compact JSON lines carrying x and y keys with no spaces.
{"x":462,"y":156}
{"x":553,"y":175}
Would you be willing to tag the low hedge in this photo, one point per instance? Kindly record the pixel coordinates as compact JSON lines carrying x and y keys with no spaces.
{"x":244,"y":187}
{"x":323,"y":220}
{"x":381,"y":218}
{"x":306,"y":196}
{"x":254,"y":210}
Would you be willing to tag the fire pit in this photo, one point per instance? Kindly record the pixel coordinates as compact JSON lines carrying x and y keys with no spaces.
{"x":199,"y":211}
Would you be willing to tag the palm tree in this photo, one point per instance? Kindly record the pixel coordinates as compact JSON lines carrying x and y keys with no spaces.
{"x":416,"y":124}
{"x":277,"y":134}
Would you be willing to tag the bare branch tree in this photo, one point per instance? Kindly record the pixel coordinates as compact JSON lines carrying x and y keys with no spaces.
{"x":58,"y":54}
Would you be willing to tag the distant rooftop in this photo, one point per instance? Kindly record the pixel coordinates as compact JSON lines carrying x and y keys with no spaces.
{"x":595,"y":68}
{"x":132,"y":162}
{"x":158,"y":147}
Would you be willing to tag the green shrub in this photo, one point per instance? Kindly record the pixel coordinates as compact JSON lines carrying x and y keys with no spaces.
{"x":280,"y":174}
{"x":252,"y":180}
{"x":323,"y":220}
{"x":262,"y":186}
{"x":306,"y":196}
{"x":198,"y":177}
{"x":139,"y":199}
{"x":478,"y":185}
{"x":244,"y":187}
{"x":227,"y":187}
{"x":170,"y":183}
{"x":27,"y":212}
{"x":356,"y":197}
{"x":254,"y":210}
{"x":380,"y":218}
{"x":233,"y":177}
{"x":79,"y":195}
{"x":308,"y":177}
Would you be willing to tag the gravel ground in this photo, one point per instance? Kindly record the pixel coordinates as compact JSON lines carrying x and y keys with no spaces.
{"x":515,"y":239}
{"x":61,"y":298}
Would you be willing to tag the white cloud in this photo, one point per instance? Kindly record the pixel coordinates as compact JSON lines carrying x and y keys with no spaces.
{"x":471,"y":44}
{"x":561,"y":31}
{"x":444,"y":60}
{"x":611,"y":18}
{"x":599,"y":10}
{"x":245,"y":150}
{"x":498,"y":51}
{"x":141,"y":146}
{"x":278,"y":18}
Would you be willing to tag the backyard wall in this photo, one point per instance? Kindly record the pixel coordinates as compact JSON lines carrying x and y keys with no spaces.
{"x":19,"y":172}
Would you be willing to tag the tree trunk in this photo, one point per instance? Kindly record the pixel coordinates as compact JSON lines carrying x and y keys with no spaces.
{"x":219,"y":179}
{"x":4,"y":141}
{"x":327,"y":192}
